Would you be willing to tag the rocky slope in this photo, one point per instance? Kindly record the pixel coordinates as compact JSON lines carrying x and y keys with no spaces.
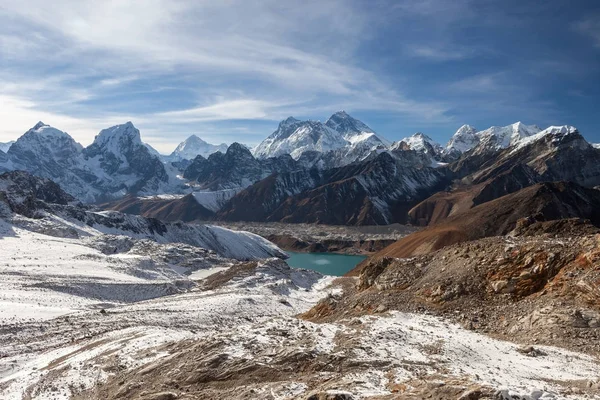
{"x":165,"y":208}
{"x":536,"y":289}
{"x":555,"y":154}
{"x":376,"y":191}
{"x":235,"y":169}
{"x":540,"y":202}
{"x":41,"y":206}
{"x":234,"y":334}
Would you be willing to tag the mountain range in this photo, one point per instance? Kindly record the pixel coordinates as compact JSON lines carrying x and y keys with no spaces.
{"x":337,"y":172}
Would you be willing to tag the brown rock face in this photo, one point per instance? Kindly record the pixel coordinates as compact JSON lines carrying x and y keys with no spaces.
{"x":544,"y":202}
{"x":529,"y":289}
{"x":486,"y":176}
{"x":184,"y":209}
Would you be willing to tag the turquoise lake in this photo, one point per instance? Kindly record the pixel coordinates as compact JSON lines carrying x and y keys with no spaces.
{"x":325,"y":263}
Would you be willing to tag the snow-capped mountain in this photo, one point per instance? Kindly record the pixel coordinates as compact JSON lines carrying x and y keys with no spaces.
{"x":294,"y":137}
{"x":419,"y":142}
{"x":194,"y":146}
{"x":354,"y":131}
{"x":558,"y":153}
{"x":123,"y":163}
{"x":117,"y":163}
{"x":4,"y":146}
{"x":44,"y":143}
{"x":557,"y":132}
{"x":50,"y":153}
{"x":343,"y":149}
{"x":463,"y":140}
{"x":501,"y":137}
{"x":341,"y":140}
{"x":493,"y":138}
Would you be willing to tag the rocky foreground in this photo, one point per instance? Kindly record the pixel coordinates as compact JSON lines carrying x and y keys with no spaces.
{"x":101,"y":305}
{"x":260,"y":329}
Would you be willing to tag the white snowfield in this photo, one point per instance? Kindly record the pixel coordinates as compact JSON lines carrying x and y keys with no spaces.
{"x":225,"y":242}
{"x":43,"y":276}
{"x":253,"y":317}
{"x":274,"y":290}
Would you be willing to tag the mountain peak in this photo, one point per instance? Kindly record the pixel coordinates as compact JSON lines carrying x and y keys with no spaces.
{"x":46,"y":130}
{"x":342,"y":114}
{"x":193,"y":139}
{"x":465,"y":138}
{"x":39,"y":125}
{"x":466,"y":129}
{"x":288,"y":121}
{"x":126,"y":130}
{"x":237,"y":148}
{"x":421,"y":135}
{"x":419,"y":142}
{"x":194,"y":146}
{"x":353,"y":130}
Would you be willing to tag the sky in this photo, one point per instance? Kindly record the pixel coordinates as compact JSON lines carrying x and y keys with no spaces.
{"x":230,"y":70}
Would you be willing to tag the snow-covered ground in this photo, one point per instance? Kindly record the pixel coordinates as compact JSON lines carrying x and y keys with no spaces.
{"x":272,"y":291}
{"x":251,"y":319}
{"x":43,"y":276}
{"x":83,"y":303}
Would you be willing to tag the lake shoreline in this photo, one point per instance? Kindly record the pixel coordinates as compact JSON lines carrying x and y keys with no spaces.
{"x":315,"y":238}
{"x":326,"y":263}
{"x":334,"y":246}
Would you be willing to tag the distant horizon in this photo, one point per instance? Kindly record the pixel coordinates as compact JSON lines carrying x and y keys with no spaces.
{"x":251,"y":146}
{"x":230,"y":71}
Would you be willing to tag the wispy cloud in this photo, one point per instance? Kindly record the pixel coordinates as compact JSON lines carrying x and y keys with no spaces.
{"x":482,"y":83}
{"x":590,"y":26}
{"x":236,"y":67}
{"x":438,"y":53}
{"x":267,"y":52}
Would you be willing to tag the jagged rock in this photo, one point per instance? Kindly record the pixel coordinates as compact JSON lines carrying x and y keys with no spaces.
{"x":235,"y":169}
{"x":330,"y":396}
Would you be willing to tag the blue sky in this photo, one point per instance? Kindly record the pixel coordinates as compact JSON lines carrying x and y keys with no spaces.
{"x":230,"y":70}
